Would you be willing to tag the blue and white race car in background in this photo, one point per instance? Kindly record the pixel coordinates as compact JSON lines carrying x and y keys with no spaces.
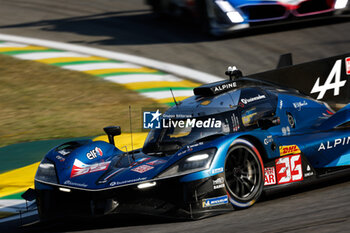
{"x":223,"y":16}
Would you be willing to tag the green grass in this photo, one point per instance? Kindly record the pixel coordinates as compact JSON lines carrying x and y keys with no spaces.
{"x":39,"y":101}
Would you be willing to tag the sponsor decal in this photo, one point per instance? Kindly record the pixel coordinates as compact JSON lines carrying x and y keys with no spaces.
{"x":285,"y":131}
{"x":113,"y":183}
{"x":248,"y":116}
{"x":347,"y":65}
{"x":223,"y":87}
{"x":270,"y":176}
{"x":205,"y":102}
{"x":289,"y":169}
{"x":217,"y":170}
{"x":189,"y":148}
{"x":300,"y":104}
{"x":183,"y":152}
{"x":68,"y":182}
{"x":291,"y":149}
{"x":142,"y":168}
{"x":63,"y":152}
{"x":235,"y":123}
{"x":308,"y":174}
{"x":219,"y":183}
{"x":219,"y":186}
{"x":60,"y":158}
{"x":268,"y":140}
{"x":281,"y":104}
{"x":139,"y":161}
{"x":333,"y":144}
{"x":127,"y":181}
{"x":252,"y":99}
{"x":80,"y":168}
{"x":194,"y":145}
{"x":329,"y":84}
{"x":157,"y":162}
{"x":214,"y":201}
{"x":93,"y":153}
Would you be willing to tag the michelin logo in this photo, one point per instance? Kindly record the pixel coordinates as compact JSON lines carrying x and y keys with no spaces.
{"x":215,"y":201}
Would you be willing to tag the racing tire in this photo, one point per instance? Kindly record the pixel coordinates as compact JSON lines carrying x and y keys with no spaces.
{"x":244,"y":174}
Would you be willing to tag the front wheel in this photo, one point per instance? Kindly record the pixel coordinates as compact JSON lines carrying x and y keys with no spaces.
{"x":244,"y":174}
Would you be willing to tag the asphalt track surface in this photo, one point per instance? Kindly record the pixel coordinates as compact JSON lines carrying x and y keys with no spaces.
{"x":128,"y":26}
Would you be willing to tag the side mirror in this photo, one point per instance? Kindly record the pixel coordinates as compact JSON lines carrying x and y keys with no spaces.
{"x":265,"y":123}
{"x":112,"y":131}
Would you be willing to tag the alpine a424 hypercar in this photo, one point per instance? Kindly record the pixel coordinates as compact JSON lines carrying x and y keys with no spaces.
{"x":223,"y":16}
{"x":214,"y":152}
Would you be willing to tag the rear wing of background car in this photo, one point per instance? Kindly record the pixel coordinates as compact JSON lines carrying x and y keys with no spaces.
{"x":326,"y":79}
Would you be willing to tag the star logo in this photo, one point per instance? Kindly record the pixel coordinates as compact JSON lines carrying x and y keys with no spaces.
{"x":156,"y":115}
{"x":151,"y":120}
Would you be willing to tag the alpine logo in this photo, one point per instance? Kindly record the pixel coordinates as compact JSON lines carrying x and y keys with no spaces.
{"x":224,"y":87}
{"x":80,"y":168}
{"x":329,"y":85}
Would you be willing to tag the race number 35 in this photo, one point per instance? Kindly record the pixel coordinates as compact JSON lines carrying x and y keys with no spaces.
{"x":289,"y":169}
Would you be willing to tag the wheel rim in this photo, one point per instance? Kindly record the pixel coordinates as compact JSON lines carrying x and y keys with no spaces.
{"x":242,"y":173}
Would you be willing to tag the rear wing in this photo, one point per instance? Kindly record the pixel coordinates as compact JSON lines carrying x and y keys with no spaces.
{"x":326,"y":79}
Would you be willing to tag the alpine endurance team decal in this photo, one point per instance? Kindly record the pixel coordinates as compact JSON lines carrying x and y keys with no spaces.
{"x":80,"y":168}
{"x":333,"y":144}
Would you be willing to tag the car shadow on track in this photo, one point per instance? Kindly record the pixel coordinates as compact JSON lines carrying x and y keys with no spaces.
{"x":143,"y":27}
{"x":85,"y":224}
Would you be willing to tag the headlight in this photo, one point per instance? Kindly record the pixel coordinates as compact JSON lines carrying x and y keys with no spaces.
{"x":340,"y":4}
{"x":192,"y":163}
{"x":46,"y":172}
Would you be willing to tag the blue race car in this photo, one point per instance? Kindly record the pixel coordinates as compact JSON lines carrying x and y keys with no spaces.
{"x":223,"y":16}
{"x":211,"y":153}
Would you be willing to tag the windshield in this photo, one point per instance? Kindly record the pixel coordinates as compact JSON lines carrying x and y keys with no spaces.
{"x":176,"y":133}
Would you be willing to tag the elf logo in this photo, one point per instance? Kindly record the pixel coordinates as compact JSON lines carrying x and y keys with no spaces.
{"x":93,"y":153}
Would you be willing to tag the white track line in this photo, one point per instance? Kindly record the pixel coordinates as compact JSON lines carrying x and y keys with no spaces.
{"x":16,"y":217}
{"x":99,"y":66}
{"x":12,"y":202}
{"x":46,"y":55}
{"x":170,"y":68}
{"x":167,"y":94}
{"x":133,"y":78}
{"x":11,"y":44}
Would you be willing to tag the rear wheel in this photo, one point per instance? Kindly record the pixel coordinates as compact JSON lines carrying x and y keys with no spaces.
{"x":244,"y":177}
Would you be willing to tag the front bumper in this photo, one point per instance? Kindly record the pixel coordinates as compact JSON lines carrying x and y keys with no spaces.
{"x":169,"y":198}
